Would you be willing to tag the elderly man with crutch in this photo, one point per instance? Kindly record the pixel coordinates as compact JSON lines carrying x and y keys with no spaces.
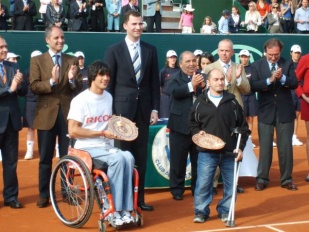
{"x":213,"y":119}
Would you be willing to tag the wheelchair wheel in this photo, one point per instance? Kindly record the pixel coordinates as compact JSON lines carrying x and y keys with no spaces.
{"x":72,"y":191}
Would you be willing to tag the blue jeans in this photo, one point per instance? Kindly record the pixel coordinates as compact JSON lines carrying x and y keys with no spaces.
{"x":206,"y":167}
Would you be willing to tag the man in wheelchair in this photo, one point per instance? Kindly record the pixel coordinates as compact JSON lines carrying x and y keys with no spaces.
{"x":88,"y":120}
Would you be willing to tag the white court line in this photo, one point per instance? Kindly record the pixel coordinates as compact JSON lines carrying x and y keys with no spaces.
{"x":269,"y":226}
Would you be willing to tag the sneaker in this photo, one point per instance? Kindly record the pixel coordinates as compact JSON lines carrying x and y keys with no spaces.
{"x":29,"y":155}
{"x":223,"y":217}
{"x":296,"y":142}
{"x":117,"y":220}
{"x":200,"y":218}
{"x":274,"y":144}
{"x":127,"y":217}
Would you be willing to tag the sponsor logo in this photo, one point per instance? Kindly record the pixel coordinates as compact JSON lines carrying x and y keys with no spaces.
{"x":161,"y":154}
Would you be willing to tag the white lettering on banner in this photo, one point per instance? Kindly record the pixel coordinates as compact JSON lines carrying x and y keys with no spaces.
{"x":161,"y":154}
{"x":101,"y":118}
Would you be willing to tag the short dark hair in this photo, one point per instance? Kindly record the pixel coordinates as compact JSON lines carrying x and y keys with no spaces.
{"x":273,"y":43}
{"x":208,"y":56}
{"x":131,"y":12}
{"x":97,"y":67}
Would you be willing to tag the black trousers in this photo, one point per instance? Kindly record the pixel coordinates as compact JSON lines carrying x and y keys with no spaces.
{"x":46,"y":144}
{"x":9,"y":150}
{"x":180,"y":146}
{"x":139,"y":148}
{"x":151,"y":20}
{"x":97,"y":20}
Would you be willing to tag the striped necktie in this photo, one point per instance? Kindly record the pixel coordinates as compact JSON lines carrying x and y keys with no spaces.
{"x":136,"y":60}
{"x":273,"y":67}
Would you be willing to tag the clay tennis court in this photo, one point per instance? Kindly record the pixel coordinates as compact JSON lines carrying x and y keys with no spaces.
{"x":274,"y":209}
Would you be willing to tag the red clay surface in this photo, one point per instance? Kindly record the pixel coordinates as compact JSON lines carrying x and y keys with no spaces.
{"x":274,"y":209}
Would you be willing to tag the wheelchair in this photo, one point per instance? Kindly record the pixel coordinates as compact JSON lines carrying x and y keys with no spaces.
{"x":76,"y":181}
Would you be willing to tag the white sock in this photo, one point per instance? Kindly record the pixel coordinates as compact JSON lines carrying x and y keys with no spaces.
{"x":30,"y":145}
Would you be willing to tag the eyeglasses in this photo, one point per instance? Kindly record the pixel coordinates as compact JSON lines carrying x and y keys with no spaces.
{"x":250,"y":5}
{"x":275,"y":7}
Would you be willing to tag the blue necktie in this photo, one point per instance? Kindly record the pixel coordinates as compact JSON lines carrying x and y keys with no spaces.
{"x":2,"y":73}
{"x":57,"y":60}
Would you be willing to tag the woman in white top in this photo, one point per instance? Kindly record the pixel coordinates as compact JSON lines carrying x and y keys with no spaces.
{"x":253,"y":18}
{"x":208,"y":26}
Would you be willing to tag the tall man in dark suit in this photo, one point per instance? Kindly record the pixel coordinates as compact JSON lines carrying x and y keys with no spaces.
{"x":272,"y":78}
{"x":12,"y":85}
{"x":54,"y":77}
{"x":135,"y":88}
{"x":24,"y":12}
{"x":182,"y":87}
{"x":79,"y":14}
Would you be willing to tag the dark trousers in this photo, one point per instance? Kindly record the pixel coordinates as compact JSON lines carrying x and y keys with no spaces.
{"x":284,"y":133}
{"x":97,"y":20}
{"x":180,"y":146}
{"x":46,"y":144}
{"x":9,"y":150}
{"x":139,"y":148}
{"x":151,"y":20}
{"x":287,"y":26}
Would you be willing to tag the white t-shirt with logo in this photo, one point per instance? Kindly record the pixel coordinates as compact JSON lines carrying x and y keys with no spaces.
{"x":93,"y":111}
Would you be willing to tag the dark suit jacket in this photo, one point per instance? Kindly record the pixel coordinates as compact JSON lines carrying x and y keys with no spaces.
{"x":124,"y":87}
{"x":181,"y":102}
{"x":79,"y":18}
{"x":3,"y":18}
{"x":9,"y":105}
{"x":24,"y":19}
{"x":274,"y":99}
{"x":126,"y":8}
{"x":232,"y":27}
{"x":50,"y":98}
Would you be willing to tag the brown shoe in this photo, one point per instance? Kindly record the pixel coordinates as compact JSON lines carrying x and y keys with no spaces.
{"x":43,"y":202}
{"x":289,"y":186}
{"x":260,"y":186}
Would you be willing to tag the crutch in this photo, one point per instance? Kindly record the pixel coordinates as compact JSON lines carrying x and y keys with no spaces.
{"x":231,"y":217}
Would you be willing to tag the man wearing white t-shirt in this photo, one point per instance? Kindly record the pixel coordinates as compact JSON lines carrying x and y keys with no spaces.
{"x":88,"y":120}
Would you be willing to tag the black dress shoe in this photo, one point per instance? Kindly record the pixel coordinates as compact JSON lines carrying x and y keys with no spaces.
{"x":260,"y":186}
{"x":43,"y":202}
{"x":14,"y":204}
{"x":177,"y":197}
{"x":289,"y":186}
{"x":145,"y":207}
{"x":240,"y":189}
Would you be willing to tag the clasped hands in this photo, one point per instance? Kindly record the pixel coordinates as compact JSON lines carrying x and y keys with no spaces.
{"x":239,"y":70}
{"x":276,"y":75}
{"x":18,"y":78}
{"x":197,"y":80}
{"x":56,"y":72}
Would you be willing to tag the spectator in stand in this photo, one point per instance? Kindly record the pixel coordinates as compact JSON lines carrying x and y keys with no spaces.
{"x":302,"y":73}
{"x":113,"y":16}
{"x":31,"y":100}
{"x":287,"y":12}
{"x":153,"y":14}
{"x":274,"y":2}
{"x":82,"y":68}
{"x":209,"y":27}
{"x":126,"y":2}
{"x":273,"y":19}
{"x":253,"y":18}
{"x":186,"y":20}
{"x":69,"y":16}
{"x":54,"y":14}
{"x":234,"y":21}
{"x":263,"y":8}
{"x":12,"y":15}
{"x":4,"y":15}
{"x":249,"y":99}
{"x":79,"y":13}
{"x":223,"y":27}
{"x":171,"y":66}
{"x":97,"y":17}
{"x":302,"y":18}
{"x":295,"y":57}
{"x":130,"y":6}
{"x":24,"y":12}
{"x":43,"y":8}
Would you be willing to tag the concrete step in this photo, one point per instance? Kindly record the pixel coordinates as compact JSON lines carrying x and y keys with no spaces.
{"x":171,"y":14}
{"x":169,"y":25}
